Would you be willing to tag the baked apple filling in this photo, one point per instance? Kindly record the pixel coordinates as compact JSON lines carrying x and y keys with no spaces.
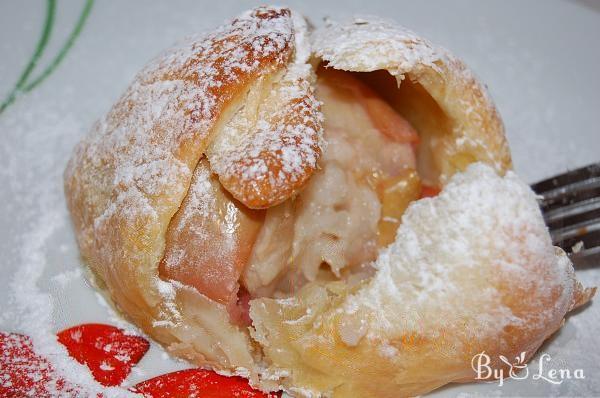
{"x":332,"y":230}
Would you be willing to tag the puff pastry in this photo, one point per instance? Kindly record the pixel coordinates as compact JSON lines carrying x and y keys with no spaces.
{"x":252,"y":202}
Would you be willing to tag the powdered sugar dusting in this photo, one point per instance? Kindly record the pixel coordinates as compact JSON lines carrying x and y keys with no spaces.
{"x":373,"y":43}
{"x":200,"y":196}
{"x":171,"y":315}
{"x":228,"y":56}
{"x":136,"y":161}
{"x":272,"y":144}
{"x":129,"y":176}
{"x":64,"y":278}
{"x":268,"y":158}
{"x":34,"y":309}
{"x":457,"y":253}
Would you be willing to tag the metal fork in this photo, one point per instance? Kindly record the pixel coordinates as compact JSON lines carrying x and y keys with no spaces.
{"x":570,"y":203}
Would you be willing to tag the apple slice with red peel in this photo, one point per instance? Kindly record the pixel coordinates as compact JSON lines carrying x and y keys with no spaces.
{"x":210,"y":239}
{"x":107,"y":351}
{"x":386,"y":119}
{"x":198,"y":382}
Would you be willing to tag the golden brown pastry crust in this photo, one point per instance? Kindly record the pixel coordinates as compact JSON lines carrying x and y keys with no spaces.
{"x":269,"y":149}
{"x":130,"y":175}
{"x":127,"y":179}
{"x":455,"y":116}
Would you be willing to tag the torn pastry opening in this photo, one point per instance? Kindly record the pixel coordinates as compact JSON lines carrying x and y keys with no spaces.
{"x":379,"y":157}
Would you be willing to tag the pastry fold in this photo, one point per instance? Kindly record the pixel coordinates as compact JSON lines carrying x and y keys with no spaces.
{"x":129,"y":176}
{"x":183,"y":195}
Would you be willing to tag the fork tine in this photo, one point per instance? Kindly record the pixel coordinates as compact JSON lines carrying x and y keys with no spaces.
{"x":571,"y":187}
{"x":586,"y":231}
{"x":570,"y":193}
{"x":589,"y":255}
{"x":581,"y":174}
{"x":571,"y":206}
{"x":577,"y":212}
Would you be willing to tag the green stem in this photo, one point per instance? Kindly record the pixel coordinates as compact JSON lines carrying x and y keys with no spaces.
{"x":65,"y":48}
{"x":22,"y":86}
{"x":39,"y":50}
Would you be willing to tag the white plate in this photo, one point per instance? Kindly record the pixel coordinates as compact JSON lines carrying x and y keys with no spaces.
{"x":540,"y":61}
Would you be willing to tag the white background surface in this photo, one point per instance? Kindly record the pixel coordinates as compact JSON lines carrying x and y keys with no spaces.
{"x":540,"y":59}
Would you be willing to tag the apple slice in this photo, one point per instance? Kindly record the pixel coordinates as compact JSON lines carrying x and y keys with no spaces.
{"x":396,"y":193}
{"x":384,"y":118}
